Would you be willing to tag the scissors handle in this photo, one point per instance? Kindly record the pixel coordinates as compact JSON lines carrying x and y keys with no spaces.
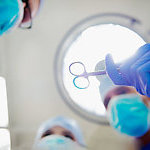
{"x":98,"y":73}
{"x":77,"y":64}
{"x":81,"y":87}
{"x":84,"y":75}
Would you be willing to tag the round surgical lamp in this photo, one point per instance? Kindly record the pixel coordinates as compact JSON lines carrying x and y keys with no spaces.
{"x":88,"y":42}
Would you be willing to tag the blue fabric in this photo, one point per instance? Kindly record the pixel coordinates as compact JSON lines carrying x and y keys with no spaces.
{"x":129,"y":115}
{"x":9,"y":14}
{"x":132,"y":72}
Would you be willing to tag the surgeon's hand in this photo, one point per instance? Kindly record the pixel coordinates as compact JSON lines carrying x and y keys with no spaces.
{"x":134,"y":71}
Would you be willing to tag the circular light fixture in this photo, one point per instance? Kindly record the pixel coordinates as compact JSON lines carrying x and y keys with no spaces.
{"x":89,"y":42}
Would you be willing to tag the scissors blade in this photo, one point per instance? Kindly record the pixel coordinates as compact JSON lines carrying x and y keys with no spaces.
{"x":102,"y":72}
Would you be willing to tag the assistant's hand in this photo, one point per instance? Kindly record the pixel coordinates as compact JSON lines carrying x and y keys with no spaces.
{"x":134,"y":71}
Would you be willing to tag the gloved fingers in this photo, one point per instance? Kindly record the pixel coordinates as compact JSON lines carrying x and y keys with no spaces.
{"x":143,"y":59}
{"x":142,"y":50}
{"x":140,"y":62}
{"x":144,"y":78}
{"x":127,"y":76}
{"x":113,"y":72}
{"x":132,"y":69}
{"x":134,"y":75}
{"x":148,"y":87}
{"x":135,"y":82}
{"x":145,"y":49}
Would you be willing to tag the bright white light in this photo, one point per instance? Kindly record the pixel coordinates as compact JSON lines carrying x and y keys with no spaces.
{"x":3,"y":104}
{"x":90,"y":48}
{"x":4,"y":139}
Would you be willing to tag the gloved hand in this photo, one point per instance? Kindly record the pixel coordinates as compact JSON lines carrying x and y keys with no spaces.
{"x":134,"y":71}
{"x":11,"y":12}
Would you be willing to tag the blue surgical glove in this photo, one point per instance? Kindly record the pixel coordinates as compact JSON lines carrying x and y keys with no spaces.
{"x":10,"y":13}
{"x":134,"y":71}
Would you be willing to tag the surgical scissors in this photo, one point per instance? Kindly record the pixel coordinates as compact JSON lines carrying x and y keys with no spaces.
{"x":84,"y":74}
